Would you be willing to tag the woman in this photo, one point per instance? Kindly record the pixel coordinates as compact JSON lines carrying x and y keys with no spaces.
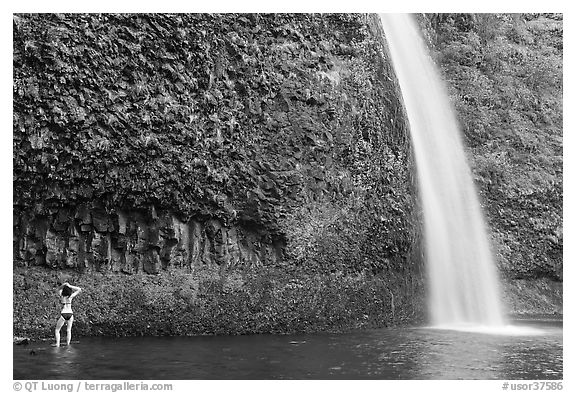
{"x":66,"y":292}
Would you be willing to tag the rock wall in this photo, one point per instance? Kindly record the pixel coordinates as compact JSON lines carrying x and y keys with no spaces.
{"x":206,"y":147}
{"x":90,"y":239}
{"x":274,"y":138}
{"x":506,"y":73}
{"x":211,"y":300}
{"x":253,"y":171}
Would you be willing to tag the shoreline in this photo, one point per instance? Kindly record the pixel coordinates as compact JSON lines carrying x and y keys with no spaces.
{"x":513,"y":318}
{"x":209,"y":301}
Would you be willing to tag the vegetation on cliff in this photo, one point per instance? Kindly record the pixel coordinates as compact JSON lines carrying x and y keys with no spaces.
{"x":505,"y":77}
{"x":259,"y":132}
{"x":170,"y":144}
{"x":210,"y":301}
{"x":286,"y":124}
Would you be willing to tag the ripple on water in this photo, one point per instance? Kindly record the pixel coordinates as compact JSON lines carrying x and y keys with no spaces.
{"x":413,"y":353}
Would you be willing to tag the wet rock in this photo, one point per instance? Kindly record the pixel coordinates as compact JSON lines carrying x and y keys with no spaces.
{"x":151,"y":261}
{"x":83,"y":216}
{"x":102,"y":221}
{"x":135,"y":242}
{"x":101,"y":249}
{"x":133,"y":264}
{"x":72,"y":247}
{"x":121,"y":220}
{"x":62,"y":220}
{"x":55,"y":246}
{"x":153,"y":235}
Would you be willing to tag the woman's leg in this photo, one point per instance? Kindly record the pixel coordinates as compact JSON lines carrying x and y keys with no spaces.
{"x":57,"y":330}
{"x":69,"y":330}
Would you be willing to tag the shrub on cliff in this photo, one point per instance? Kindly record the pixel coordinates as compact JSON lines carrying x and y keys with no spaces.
{"x":212,"y":302}
{"x":250,"y":119}
{"x":505,"y":74}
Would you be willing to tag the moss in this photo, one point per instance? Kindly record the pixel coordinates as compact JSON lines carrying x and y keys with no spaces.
{"x":255,"y":120}
{"x":211,"y":301}
{"x":533,"y":296}
{"x":287,"y":125}
{"x":505,"y":77}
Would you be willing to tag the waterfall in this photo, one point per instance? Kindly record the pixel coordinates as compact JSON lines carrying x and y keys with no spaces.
{"x":462,"y":277}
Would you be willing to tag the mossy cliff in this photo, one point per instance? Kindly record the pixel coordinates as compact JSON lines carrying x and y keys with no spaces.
{"x":504,"y":72}
{"x":249,"y":163}
{"x":251,"y":173}
{"x":505,"y":78}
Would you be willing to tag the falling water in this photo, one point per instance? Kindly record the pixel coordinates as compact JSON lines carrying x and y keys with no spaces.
{"x":463,"y":281}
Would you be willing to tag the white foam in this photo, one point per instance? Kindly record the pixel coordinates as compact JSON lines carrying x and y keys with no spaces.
{"x":503,"y":330}
{"x":463,"y":278}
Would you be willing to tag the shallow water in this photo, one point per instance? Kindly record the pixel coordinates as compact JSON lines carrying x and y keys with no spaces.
{"x":390,"y":353}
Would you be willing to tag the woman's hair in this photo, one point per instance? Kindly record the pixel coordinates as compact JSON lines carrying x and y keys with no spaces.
{"x":66,"y":291}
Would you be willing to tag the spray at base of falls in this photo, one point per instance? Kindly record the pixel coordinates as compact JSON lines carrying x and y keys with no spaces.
{"x":464,"y":286}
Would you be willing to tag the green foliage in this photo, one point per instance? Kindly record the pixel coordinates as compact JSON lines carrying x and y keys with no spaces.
{"x":505,"y":74}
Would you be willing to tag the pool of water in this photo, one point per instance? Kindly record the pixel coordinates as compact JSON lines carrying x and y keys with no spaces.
{"x":533,"y":352}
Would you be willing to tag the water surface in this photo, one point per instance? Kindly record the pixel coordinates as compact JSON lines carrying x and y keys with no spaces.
{"x":390,"y":353}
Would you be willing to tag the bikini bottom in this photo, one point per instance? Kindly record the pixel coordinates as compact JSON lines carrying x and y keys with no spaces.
{"x":66,"y":315}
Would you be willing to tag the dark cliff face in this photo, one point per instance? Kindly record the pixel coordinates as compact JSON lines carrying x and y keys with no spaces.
{"x":505,"y":75}
{"x":256,"y":168}
{"x":145,"y":142}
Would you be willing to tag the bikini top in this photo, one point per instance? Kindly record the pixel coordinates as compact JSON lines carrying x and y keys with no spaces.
{"x":67,"y":302}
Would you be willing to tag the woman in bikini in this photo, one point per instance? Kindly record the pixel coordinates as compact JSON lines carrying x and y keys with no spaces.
{"x":66,"y":292}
